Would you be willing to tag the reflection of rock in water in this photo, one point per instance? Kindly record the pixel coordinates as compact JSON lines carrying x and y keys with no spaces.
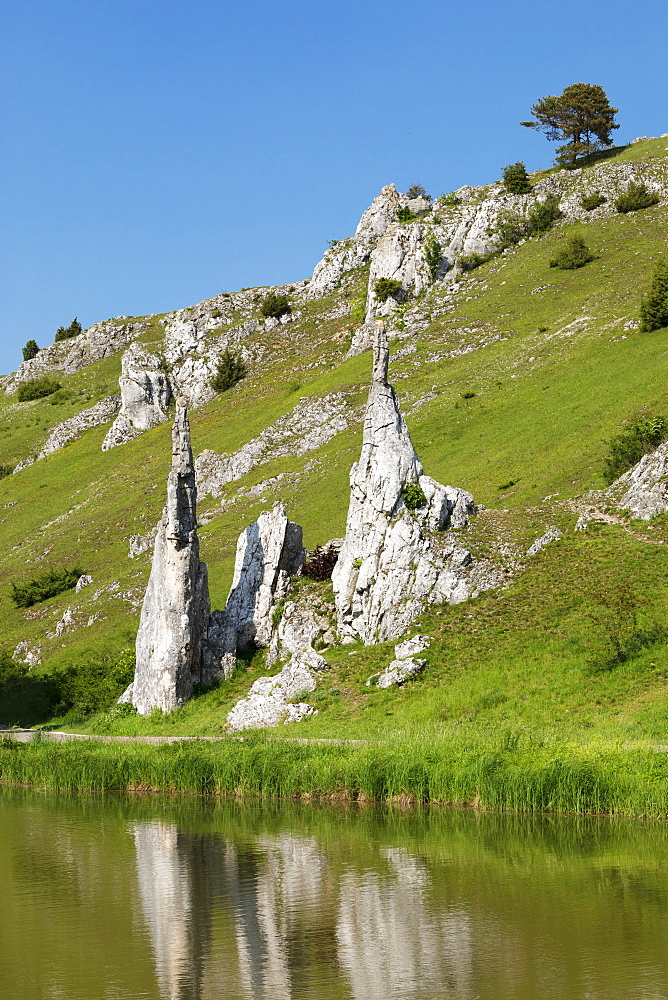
{"x":175,"y":891}
{"x":392,"y":943}
{"x":286,"y":891}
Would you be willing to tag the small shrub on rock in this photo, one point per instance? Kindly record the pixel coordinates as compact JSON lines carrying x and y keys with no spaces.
{"x":433,"y":254}
{"x":635,"y":198}
{"x":637,"y":439}
{"x":46,"y":584}
{"x":320,"y":563}
{"x":654,"y":305}
{"x":37,"y":388}
{"x":274,"y":306}
{"x":449,"y":200}
{"x":230,"y":370}
{"x":66,"y":332}
{"x":591,"y":201}
{"x":417,"y":191}
{"x":574,"y":254}
{"x":386,"y":288}
{"x":470,"y":261}
{"x":404,"y":214}
{"x":31,"y":350}
{"x":515,"y":178}
{"x":413,"y":497}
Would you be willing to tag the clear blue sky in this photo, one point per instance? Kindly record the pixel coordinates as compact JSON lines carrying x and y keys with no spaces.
{"x":156,"y":152}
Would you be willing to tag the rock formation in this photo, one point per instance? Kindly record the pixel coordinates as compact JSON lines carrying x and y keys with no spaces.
{"x":391,"y":566}
{"x":175,"y":612}
{"x":269,"y":552}
{"x":145,"y":395}
{"x":269,"y":700}
{"x":646,"y":485}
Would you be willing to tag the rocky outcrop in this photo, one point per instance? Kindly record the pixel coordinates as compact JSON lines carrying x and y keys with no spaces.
{"x":551,"y":535}
{"x":399,"y":256}
{"x":175,"y":612}
{"x":269,"y":552}
{"x":270,"y":699}
{"x":391,"y":565}
{"x":72,"y":429}
{"x":145,"y":396}
{"x":312,"y":423}
{"x":646,"y":485}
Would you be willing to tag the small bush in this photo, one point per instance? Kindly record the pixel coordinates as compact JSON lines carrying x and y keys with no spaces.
{"x":230,"y":370}
{"x":31,"y":350}
{"x":320,"y":563}
{"x":470,"y":261}
{"x":44,"y":585}
{"x":274,"y":306}
{"x":386,"y":288}
{"x":433,"y":254}
{"x":60,"y":396}
{"x":6,"y":470}
{"x":591,"y":201}
{"x":515,"y":179}
{"x":636,"y":197}
{"x":66,"y":332}
{"x":94,"y":684}
{"x":654,"y":305}
{"x":572,"y":255}
{"x":413,"y":497}
{"x":637,"y":439}
{"x":404,"y":214}
{"x":37,"y":388}
{"x":449,"y":200}
{"x":417,"y":191}
{"x":543,"y":215}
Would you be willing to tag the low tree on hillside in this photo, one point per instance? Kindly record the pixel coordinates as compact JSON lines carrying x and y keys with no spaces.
{"x":31,"y":350}
{"x":515,"y":178}
{"x":581,"y":115}
{"x":231,"y":369}
{"x":67,"y":332}
{"x":654,"y":305}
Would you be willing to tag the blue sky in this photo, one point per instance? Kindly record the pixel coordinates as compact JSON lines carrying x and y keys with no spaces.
{"x":156,"y":153}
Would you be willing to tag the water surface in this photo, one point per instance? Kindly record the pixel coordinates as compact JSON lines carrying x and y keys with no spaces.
{"x":193,"y":899}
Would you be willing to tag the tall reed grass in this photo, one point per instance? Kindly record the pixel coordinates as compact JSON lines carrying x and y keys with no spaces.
{"x":518,"y":775}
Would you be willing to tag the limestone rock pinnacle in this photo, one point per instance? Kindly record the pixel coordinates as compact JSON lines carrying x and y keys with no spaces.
{"x":175,"y":613}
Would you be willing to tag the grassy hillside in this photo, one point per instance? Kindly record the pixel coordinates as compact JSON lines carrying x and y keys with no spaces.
{"x":518,"y":379}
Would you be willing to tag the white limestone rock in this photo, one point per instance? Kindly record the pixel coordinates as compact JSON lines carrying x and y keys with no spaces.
{"x":145,"y":396}
{"x":269,"y":552}
{"x":551,"y":535}
{"x":25,"y":652}
{"x":74,"y":427}
{"x":409,"y":647}
{"x":399,"y":671}
{"x":141,"y":543}
{"x":390,"y":567}
{"x":646,"y":485}
{"x":269,"y":700}
{"x":175,"y":611}
{"x":399,"y":256}
{"x":84,"y":581}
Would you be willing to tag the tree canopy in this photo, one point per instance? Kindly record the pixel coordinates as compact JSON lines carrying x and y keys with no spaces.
{"x":582,"y":115}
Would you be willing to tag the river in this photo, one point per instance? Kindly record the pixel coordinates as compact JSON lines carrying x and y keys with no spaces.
{"x":188,"y":899}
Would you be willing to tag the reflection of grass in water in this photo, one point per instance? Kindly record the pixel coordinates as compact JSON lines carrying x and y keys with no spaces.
{"x":508,"y":772}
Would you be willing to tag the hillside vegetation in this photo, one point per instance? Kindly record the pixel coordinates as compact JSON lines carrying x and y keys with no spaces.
{"x":513,"y":378}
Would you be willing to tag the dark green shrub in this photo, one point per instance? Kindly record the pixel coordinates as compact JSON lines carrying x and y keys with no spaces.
{"x":231,"y":369}
{"x":433,"y":254}
{"x":470,"y":261}
{"x":515,"y":178}
{"x":274,"y":306}
{"x":60,"y":396}
{"x":591,"y":201}
{"x":6,"y":470}
{"x":449,"y":200}
{"x":637,"y":439}
{"x":31,"y":350}
{"x":654,"y":305}
{"x":413,"y":497}
{"x":37,"y":388}
{"x":573,"y":254}
{"x":66,"y":332}
{"x":386,"y":288}
{"x":417,"y":191}
{"x":404,"y":214}
{"x":636,"y":197}
{"x":95,"y":683}
{"x":543,"y":215}
{"x":44,"y":585}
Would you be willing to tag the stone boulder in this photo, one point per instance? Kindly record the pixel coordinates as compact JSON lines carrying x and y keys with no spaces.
{"x":175,"y":612}
{"x":269,"y":552}
{"x":74,"y":427}
{"x":145,"y":396}
{"x":269,"y":701}
{"x":646,"y":485}
{"x":391,"y":565}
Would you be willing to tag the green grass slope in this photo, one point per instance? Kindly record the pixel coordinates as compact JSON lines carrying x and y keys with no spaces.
{"x":555,"y":367}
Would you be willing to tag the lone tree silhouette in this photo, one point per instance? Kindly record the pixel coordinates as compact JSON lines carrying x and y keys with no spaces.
{"x":582,"y":115}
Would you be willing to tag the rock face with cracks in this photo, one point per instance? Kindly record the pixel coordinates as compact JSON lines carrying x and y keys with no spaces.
{"x":145,"y":395}
{"x":175,"y":612}
{"x":391,"y":565}
{"x":269,"y":700}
